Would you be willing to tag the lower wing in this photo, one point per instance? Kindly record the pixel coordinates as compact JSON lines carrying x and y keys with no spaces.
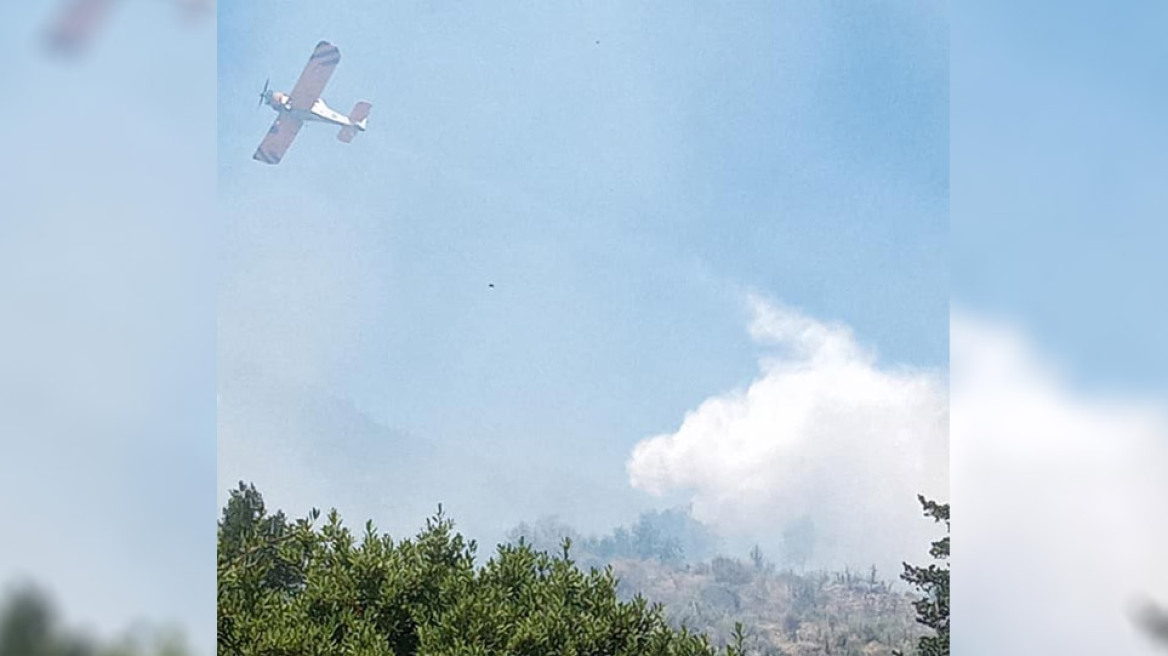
{"x":279,"y":138}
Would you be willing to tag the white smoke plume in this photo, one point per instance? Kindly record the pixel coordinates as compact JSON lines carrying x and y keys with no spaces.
{"x":824,"y":431}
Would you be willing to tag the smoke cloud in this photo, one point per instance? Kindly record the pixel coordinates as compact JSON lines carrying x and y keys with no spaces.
{"x":826,"y":432}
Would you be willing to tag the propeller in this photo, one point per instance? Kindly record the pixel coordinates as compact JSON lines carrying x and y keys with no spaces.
{"x":263,"y":94}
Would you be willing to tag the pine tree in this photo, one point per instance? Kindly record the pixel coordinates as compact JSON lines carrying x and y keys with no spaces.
{"x":933,"y":581}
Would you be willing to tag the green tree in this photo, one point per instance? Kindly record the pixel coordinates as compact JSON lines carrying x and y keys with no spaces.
{"x":246,"y":525}
{"x":933,"y":581}
{"x":337,"y":593}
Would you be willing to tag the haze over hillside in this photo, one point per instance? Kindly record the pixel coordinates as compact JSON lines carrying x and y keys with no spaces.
{"x":825,"y":434}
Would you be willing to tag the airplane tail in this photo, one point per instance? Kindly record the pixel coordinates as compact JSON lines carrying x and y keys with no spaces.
{"x":357,"y":116}
{"x":360,"y":112}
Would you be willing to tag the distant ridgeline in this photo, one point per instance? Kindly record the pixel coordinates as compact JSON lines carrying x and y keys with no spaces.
{"x":669,"y":536}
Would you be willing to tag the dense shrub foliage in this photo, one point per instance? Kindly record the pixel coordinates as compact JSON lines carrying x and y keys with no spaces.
{"x":293,"y":589}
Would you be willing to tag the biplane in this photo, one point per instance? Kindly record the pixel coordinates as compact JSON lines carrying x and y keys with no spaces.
{"x":78,"y":21}
{"x":304,"y":104}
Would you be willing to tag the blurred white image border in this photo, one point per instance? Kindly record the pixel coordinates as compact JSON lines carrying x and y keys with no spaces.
{"x":107,"y":324}
{"x":1059,"y":426}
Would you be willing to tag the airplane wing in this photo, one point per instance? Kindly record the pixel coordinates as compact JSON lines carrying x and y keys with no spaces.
{"x":315,"y":75}
{"x":280,"y":136}
{"x":76,"y":24}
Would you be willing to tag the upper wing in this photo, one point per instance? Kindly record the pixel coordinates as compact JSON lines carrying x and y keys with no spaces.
{"x":76,"y":24}
{"x":280,"y":136}
{"x":316,"y":74}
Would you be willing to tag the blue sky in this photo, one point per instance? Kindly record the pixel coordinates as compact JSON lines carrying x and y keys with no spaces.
{"x":623,"y":175}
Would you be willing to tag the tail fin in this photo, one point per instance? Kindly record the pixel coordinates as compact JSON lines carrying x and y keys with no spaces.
{"x":360,"y":112}
{"x":357,"y":116}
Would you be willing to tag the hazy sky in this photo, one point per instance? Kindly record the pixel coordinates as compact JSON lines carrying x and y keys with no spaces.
{"x":626,"y":175}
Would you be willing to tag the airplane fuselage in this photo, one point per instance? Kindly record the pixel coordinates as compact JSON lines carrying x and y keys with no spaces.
{"x":319,"y":112}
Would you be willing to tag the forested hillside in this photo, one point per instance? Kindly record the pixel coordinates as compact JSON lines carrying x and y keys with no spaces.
{"x":295,"y":588}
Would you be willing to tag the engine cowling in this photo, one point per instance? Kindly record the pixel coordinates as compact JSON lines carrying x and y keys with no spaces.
{"x":280,"y":101}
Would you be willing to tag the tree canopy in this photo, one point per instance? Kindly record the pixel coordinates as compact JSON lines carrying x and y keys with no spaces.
{"x":292,"y":588}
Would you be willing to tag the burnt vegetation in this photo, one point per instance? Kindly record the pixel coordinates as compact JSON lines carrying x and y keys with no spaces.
{"x":766,"y":607}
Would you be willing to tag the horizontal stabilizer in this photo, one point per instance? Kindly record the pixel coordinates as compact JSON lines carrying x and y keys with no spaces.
{"x":347,"y":133}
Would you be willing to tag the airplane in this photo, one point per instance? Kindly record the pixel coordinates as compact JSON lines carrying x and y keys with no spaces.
{"x":78,"y":21}
{"x":304,"y":104}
